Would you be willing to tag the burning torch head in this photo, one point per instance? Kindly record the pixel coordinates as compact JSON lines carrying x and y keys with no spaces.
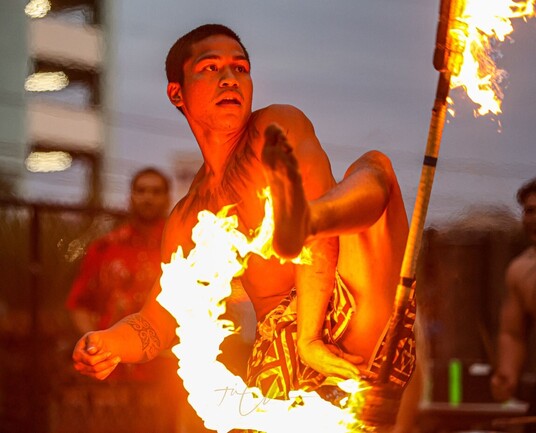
{"x":450,"y":37}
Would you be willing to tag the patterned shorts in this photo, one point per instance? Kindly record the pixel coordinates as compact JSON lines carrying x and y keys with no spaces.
{"x":275,"y":367}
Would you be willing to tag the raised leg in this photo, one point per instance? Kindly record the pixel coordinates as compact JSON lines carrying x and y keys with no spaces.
{"x":291,"y":210}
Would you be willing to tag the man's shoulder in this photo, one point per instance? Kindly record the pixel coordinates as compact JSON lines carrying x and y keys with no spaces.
{"x":278,"y":111}
{"x":525,"y":259}
{"x":520,"y":272}
{"x":290,"y":119}
{"x":276,"y":108}
{"x":285,"y":115}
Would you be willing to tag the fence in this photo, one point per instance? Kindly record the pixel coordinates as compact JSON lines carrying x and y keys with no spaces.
{"x":41,"y":247}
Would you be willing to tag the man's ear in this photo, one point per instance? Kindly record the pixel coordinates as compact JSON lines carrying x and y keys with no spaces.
{"x":174,"y":93}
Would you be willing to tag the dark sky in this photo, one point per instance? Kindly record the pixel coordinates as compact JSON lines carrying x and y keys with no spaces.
{"x":361,"y":71}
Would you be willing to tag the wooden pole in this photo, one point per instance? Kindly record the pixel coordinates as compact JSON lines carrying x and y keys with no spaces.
{"x":447,"y":59}
{"x":413,"y":244}
{"x":383,"y":397}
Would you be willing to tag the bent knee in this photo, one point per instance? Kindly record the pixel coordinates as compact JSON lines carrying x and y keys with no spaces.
{"x":372,"y":159}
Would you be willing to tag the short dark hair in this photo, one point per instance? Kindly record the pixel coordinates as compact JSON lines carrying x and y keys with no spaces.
{"x":526,"y":189}
{"x":149,"y":170}
{"x":181,"y":50}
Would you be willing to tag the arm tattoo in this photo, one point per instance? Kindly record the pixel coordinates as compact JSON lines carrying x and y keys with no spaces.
{"x":150,"y":343}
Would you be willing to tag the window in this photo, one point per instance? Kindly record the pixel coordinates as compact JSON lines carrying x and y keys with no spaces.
{"x":77,"y":11}
{"x":81,"y":89}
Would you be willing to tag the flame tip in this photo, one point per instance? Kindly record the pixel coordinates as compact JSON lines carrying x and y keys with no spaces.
{"x":473,"y":35}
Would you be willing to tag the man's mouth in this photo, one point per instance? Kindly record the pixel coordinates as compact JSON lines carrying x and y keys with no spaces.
{"x":229,"y":101}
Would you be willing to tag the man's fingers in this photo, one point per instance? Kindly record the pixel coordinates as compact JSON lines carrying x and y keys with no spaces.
{"x":92,"y":358}
{"x":330,"y":360}
{"x":501,"y":388}
{"x":350,"y":371}
{"x":355,"y":373}
{"x":100,"y":358}
{"x":105,"y":373}
{"x":346,"y":371}
{"x":93,"y":344}
{"x":342,"y":368}
{"x":89,"y":350}
{"x":100,"y":368}
{"x":354,"y":359}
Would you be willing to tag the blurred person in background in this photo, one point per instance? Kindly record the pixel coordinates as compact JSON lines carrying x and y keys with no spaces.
{"x":115,"y":277}
{"x":518,"y":311}
{"x":119,"y":268}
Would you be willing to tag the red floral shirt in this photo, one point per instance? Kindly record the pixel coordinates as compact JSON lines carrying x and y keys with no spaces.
{"x":117,"y":274}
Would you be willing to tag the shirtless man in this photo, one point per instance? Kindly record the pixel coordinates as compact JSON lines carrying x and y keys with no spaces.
{"x":356,"y":230}
{"x":518,"y":310}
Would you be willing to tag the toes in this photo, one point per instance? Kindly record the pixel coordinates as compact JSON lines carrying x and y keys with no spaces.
{"x":277,"y":153}
{"x":269,"y":156}
{"x":275,"y":138}
{"x":272,"y":134}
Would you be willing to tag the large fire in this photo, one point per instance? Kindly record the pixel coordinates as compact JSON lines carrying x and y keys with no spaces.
{"x":479,"y":25}
{"x":194,"y":289}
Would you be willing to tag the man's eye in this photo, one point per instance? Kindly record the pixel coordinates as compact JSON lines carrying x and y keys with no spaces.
{"x":212,"y":68}
{"x":241,"y":69}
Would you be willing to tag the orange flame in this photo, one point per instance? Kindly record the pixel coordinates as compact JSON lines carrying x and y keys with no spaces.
{"x":480,"y":24}
{"x":200,"y":283}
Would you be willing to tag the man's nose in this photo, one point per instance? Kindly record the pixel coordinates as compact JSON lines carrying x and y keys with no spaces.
{"x":228,"y":78}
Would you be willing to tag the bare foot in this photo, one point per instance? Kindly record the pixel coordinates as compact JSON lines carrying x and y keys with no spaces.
{"x":291,"y":210}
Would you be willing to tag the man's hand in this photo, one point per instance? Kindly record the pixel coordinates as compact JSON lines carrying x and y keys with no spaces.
{"x":502,"y":386}
{"x":92,"y":357}
{"x":329,"y":360}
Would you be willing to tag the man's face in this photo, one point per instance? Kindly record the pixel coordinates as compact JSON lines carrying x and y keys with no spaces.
{"x":149,"y":199}
{"x":529,"y":217}
{"x":217,"y":89}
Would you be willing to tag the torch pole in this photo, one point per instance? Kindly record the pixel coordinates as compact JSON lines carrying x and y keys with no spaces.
{"x":447,"y":59}
{"x":413,"y":243}
{"x":383,"y":398}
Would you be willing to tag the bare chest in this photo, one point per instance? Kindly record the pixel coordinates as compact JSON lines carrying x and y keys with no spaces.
{"x":526,"y":283}
{"x":265,"y":281}
{"x":237,"y":194}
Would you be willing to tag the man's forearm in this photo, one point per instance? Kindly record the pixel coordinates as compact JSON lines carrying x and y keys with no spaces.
{"x":511,"y":355}
{"x":315,"y":285}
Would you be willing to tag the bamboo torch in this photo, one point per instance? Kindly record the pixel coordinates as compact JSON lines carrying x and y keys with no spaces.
{"x":383,"y":399}
{"x":462,"y":52}
{"x":447,"y":60}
